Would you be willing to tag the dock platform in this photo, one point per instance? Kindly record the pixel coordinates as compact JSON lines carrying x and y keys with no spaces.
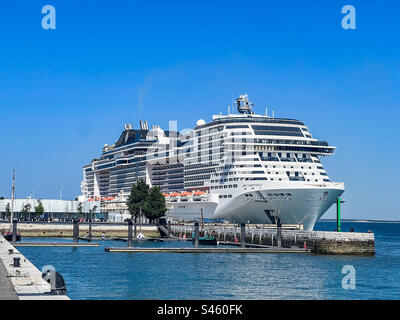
{"x":55,"y":244}
{"x":208,"y":250}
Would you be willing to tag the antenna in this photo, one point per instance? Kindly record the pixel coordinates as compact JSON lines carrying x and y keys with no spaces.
{"x":229,"y":109}
{"x":12,"y":197}
{"x":266,"y":112}
{"x":273,"y":114}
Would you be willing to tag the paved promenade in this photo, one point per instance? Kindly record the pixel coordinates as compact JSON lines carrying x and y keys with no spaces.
{"x":7,"y":291}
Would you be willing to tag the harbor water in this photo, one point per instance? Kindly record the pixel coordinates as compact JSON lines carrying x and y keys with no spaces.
{"x":92,"y":273}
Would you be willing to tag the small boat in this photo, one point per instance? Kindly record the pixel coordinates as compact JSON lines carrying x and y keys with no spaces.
{"x":185,"y":196}
{"x":9,"y":236}
{"x":209,"y":240}
{"x":199,"y":195}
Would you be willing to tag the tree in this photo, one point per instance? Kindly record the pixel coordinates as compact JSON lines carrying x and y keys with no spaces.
{"x":2,"y":198}
{"x":92,"y":211}
{"x":154,"y":207}
{"x":80,"y":210}
{"x":138,"y":196}
{"x":39,"y":209}
{"x":26,"y":209}
{"x":8,"y":211}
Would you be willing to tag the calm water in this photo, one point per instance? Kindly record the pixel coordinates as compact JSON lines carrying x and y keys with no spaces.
{"x":91,"y":273}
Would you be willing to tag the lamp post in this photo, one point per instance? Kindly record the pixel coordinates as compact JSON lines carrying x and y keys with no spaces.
{"x":339,"y":202}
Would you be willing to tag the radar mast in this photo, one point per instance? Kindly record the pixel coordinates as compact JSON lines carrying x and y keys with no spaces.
{"x":244,"y":105}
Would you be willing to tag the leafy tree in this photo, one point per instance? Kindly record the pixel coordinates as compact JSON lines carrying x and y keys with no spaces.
{"x":8,"y":211}
{"x":137,"y":198}
{"x":80,"y":210}
{"x":39,"y":209}
{"x":154,"y":207}
{"x":26,"y":209}
{"x":2,"y":198}
{"x":92,"y":211}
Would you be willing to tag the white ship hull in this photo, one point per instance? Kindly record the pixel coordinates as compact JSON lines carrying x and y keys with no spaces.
{"x":303,"y":204}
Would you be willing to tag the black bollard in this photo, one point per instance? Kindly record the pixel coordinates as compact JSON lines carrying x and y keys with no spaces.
{"x":278,"y":232}
{"x":130,"y":242}
{"x":169,"y":229}
{"x":14,"y":231}
{"x":75,"y":231}
{"x":135,"y":229}
{"x":16,"y":262}
{"x":243,"y":235}
{"x":90,"y":230}
{"x":196,"y":234}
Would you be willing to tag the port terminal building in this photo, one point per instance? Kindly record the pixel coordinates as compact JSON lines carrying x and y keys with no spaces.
{"x":53,"y":209}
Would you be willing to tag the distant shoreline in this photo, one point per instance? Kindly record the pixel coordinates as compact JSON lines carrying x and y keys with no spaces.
{"x":360,"y":220}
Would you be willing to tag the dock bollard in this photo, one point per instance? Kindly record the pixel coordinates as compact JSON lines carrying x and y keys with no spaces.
{"x":243,"y":235}
{"x":90,"y":230}
{"x":130,"y":242}
{"x":278,"y":233}
{"x":196,"y":234}
{"x":75,"y":231}
{"x":16,"y":262}
{"x":135,"y":232}
{"x":14,"y":231}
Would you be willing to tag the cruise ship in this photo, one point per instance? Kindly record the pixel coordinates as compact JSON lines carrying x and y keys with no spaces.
{"x":239,"y":167}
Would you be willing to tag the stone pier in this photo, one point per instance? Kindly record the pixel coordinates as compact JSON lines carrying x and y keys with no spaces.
{"x":23,"y":282}
{"x":321,"y":242}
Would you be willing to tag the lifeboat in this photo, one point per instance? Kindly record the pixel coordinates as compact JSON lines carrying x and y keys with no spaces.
{"x":199,"y":195}
{"x":185,"y":196}
{"x":174,"y":196}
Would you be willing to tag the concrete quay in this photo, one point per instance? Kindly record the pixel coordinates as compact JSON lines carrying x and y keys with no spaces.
{"x":321,"y":242}
{"x":59,"y":230}
{"x":24,"y":282}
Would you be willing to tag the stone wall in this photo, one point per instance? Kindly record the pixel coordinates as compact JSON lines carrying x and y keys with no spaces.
{"x":322,"y":242}
{"x":65,"y":230}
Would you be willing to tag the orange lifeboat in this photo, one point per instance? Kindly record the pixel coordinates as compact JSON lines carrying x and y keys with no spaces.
{"x":185,"y":196}
{"x":199,"y":195}
{"x":174,"y":196}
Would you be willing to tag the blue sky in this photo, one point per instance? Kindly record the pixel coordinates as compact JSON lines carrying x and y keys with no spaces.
{"x":64,"y":93}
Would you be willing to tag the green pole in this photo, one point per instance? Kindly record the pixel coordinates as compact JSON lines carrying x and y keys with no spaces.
{"x":338,"y":214}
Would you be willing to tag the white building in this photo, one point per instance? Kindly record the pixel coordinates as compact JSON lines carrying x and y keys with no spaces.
{"x":67,"y":209}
